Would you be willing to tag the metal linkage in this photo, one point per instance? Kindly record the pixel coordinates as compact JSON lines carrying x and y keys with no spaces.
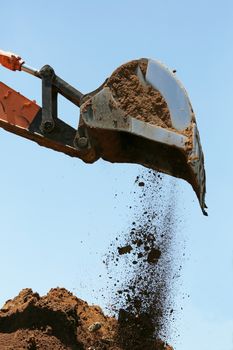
{"x":49,"y":99}
{"x":51,"y":86}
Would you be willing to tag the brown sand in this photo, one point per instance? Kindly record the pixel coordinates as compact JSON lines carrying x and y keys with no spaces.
{"x":139,"y":100}
{"x":61,"y":321}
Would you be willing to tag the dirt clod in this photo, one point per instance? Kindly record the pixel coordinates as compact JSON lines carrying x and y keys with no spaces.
{"x":153,"y":256}
{"x":94,"y":327}
{"x":124,"y":250}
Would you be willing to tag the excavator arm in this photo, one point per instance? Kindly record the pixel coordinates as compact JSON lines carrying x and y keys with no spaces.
{"x":25,"y":118}
{"x":141,"y":114}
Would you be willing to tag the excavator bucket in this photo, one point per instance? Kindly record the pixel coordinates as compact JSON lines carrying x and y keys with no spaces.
{"x":142,"y":114}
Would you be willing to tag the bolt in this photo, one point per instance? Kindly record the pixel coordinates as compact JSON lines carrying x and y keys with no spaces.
{"x":81,"y":142}
{"x":47,"y":126}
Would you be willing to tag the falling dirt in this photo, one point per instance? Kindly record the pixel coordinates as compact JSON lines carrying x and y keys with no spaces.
{"x":136,"y":97}
{"x":143,"y":290}
{"x":124,"y":250}
{"x":153,"y":256}
{"x":61,"y":321}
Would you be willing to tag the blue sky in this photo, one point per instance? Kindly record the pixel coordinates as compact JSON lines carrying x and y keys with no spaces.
{"x":53,"y":207}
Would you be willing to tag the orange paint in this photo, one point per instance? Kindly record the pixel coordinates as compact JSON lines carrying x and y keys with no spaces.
{"x":16,"y":109}
{"x":10,"y":60}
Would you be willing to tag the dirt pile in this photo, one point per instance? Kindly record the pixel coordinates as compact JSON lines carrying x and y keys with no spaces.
{"x":61,"y":321}
{"x":137,"y":98}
